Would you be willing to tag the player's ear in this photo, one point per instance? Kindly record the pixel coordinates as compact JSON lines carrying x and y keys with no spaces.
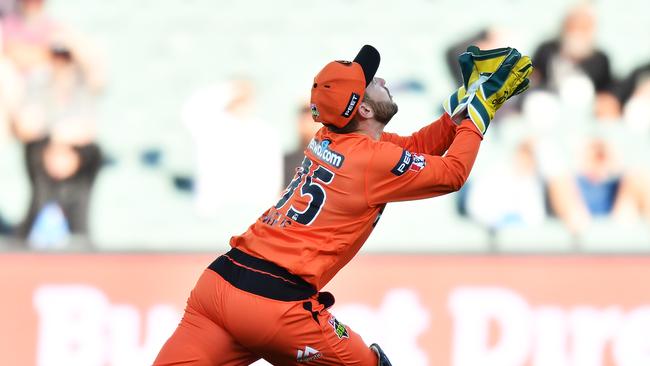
{"x":365,"y":111}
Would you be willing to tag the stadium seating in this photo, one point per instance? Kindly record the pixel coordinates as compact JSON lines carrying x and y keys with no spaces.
{"x":165,"y":50}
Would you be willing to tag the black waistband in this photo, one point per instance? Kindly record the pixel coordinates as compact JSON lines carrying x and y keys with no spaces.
{"x":260,"y":277}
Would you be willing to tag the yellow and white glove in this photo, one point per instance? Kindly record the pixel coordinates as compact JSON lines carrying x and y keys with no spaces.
{"x":456,"y":104}
{"x":489,"y":79}
{"x":477,"y":65}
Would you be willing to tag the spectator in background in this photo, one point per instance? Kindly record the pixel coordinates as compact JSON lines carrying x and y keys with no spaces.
{"x":11,"y":91}
{"x":600,"y":189}
{"x":306,"y":130}
{"x":599,"y":178}
{"x":56,"y":120}
{"x":226,"y":134}
{"x":573,"y":56}
{"x":636,"y":202}
{"x":635,"y":93}
{"x":628,"y":85}
{"x":512,"y":194}
{"x":62,"y":170}
{"x":27,"y":36}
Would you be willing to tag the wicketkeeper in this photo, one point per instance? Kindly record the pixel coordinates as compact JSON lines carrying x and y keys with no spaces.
{"x":263,"y":298}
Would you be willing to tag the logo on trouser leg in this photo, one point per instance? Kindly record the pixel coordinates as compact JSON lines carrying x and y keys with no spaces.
{"x":339,"y":328}
{"x":309,"y":354}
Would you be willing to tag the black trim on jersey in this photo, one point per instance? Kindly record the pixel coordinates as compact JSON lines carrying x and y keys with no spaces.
{"x":276,"y":283}
{"x":403,"y":164}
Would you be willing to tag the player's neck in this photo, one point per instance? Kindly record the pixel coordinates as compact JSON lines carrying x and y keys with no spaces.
{"x":371,"y":128}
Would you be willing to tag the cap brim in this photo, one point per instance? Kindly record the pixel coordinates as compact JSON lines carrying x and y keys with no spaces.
{"x":368,"y":57}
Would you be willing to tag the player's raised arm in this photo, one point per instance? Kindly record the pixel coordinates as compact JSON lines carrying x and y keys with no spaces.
{"x":397,"y":174}
{"x":433,"y":139}
{"x":490,"y":78}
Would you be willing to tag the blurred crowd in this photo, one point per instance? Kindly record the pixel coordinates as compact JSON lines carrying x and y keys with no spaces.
{"x":50,"y":79}
{"x":582,"y":135}
{"x":572,"y":150}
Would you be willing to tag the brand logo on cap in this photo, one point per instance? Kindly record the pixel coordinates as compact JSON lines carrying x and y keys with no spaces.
{"x":354,"y":99}
{"x":314,"y":111}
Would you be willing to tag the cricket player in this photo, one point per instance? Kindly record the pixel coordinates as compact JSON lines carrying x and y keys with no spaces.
{"x":262,"y":299}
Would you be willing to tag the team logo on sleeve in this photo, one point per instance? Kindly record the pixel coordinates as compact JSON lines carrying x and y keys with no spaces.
{"x":340,"y":329}
{"x":418,"y":163}
{"x":409,"y":161}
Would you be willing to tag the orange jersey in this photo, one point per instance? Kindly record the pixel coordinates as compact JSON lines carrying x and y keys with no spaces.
{"x":336,"y":197}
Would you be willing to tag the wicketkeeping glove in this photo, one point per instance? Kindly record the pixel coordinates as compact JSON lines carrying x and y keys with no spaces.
{"x":453,"y":107}
{"x":505,"y":82}
{"x":490,"y":78}
{"x":477,"y":65}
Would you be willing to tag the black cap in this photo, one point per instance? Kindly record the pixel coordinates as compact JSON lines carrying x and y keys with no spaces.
{"x":368,"y":57}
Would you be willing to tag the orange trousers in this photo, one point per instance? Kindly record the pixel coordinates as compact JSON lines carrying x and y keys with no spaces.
{"x":226,"y":326}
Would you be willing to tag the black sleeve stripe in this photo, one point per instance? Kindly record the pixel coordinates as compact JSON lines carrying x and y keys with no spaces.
{"x":403,"y":164}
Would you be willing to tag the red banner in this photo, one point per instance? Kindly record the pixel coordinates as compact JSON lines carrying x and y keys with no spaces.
{"x":117,"y":310}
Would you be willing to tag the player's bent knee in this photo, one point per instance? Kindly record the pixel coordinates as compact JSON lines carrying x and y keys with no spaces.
{"x":381,"y":356}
